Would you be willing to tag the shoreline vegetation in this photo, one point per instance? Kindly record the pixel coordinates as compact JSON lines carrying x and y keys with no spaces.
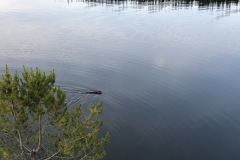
{"x":36,"y":123}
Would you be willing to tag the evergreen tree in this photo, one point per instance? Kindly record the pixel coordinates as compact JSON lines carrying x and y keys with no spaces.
{"x":36,"y":124}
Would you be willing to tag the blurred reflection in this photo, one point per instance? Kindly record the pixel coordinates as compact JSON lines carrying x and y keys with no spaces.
{"x":228,"y":13}
{"x":159,"y":4}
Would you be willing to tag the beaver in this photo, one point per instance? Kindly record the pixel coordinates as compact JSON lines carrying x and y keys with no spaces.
{"x":93,"y":92}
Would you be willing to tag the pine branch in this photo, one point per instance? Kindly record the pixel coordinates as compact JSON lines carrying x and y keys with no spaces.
{"x":18,"y":132}
{"x":40,"y":135}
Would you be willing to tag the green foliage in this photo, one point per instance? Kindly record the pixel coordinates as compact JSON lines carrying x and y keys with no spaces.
{"x":35,"y":122}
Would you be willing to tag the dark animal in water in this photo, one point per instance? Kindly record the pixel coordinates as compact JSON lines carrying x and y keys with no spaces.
{"x":93,"y":92}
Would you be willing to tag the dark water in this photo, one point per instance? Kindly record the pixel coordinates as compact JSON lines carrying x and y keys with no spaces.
{"x":169,"y":70}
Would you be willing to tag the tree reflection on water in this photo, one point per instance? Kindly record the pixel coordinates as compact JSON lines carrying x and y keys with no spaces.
{"x":158,"y":5}
{"x":185,"y":3}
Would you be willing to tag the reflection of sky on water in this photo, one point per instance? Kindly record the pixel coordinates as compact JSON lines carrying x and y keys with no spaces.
{"x":151,"y":40}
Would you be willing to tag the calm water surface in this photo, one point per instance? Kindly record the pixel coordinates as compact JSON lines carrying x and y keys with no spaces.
{"x":169,"y":71}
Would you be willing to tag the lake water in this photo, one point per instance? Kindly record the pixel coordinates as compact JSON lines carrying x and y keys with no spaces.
{"x":169,"y":70}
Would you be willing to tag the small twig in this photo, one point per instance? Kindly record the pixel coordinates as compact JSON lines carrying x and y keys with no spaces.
{"x":52,"y":156}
